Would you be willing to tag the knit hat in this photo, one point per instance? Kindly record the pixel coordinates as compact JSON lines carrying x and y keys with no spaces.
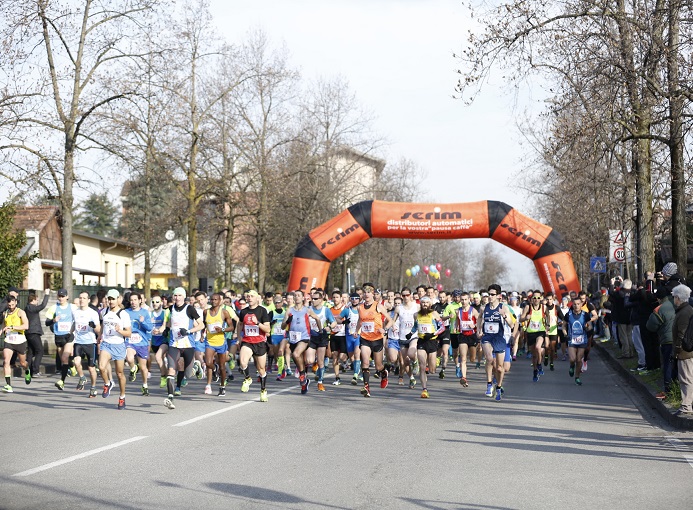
{"x":669,"y":269}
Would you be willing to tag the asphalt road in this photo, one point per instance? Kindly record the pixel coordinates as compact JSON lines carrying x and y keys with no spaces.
{"x":550,"y":444}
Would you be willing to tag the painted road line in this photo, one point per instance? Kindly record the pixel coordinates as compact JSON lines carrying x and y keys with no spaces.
{"x":230,"y":408}
{"x":78,"y":456}
{"x":681,"y":446}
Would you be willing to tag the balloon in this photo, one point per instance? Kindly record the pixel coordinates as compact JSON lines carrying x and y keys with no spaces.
{"x":425,"y":269}
{"x":408,"y":272}
{"x":417,"y":268}
{"x":439,"y":266}
{"x":415,"y":272}
{"x":432,"y":269}
{"x":448,"y":273}
{"x":440,"y":287}
{"x":436,"y":276}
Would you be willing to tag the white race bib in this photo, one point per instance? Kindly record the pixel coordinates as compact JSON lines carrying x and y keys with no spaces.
{"x":277,"y":328}
{"x":13,"y":338}
{"x":579,"y":339}
{"x":135,"y":338}
{"x":407,"y":325}
{"x":294,"y":336}
{"x":340,"y":330}
{"x":64,"y":327}
{"x":82,"y":328}
{"x":212,"y":328}
{"x":426,"y":328}
{"x":466,"y":325}
{"x":251,"y":330}
{"x":535,"y":325}
{"x":368,"y":327}
{"x":491,"y":328}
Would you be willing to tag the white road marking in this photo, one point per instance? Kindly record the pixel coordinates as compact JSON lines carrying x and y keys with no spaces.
{"x":230,"y":408}
{"x":681,"y":446}
{"x":78,"y":456}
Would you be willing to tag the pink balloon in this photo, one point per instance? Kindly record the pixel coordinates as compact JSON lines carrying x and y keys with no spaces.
{"x":439,"y":266}
{"x":448,"y":272}
{"x":440,"y":287}
{"x":425,"y":269}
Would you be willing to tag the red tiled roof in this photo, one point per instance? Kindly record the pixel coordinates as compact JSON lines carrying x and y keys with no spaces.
{"x":34,"y":218}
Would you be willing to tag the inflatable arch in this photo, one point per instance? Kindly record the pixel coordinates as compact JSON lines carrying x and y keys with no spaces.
{"x":375,"y":218}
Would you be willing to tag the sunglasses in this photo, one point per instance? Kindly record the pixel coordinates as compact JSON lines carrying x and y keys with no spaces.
{"x":405,"y":295}
{"x":111,"y":298}
{"x":492,"y":294}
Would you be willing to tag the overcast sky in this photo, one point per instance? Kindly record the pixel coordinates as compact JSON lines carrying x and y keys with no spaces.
{"x":397,"y":58}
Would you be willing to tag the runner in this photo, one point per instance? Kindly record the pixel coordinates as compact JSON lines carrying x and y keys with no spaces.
{"x":594,"y":316}
{"x":551,"y":330}
{"x":115,"y":328}
{"x":373,"y":322}
{"x":321,"y":323}
{"x":427,"y":321}
{"x":405,"y":315}
{"x":578,"y":322}
{"x":444,"y":338}
{"x":183,"y":322}
{"x":516,"y":309}
{"x":253,"y":327}
{"x":218,"y":321}
{"x":137,"y":344}
{"x":201,"y":304}
{"x":87,"y":328}
{"x":535,"y":313}
{"x":338,"y":342}
{"x":15,"y":324}
{"x":450,"y":313}
{"x":393,"y":349}
{"x":492,"y":327}
{"x":278,"y":336}
{"x":60,"y":318}
{"x":353,"y":340}
{"x":160,"y":334}
{"x":33,"y":334}
{"x":467,"y":319}
{"x":299,"y":336}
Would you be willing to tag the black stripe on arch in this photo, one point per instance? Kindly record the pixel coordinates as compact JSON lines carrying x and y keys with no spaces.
{"x":553,"y":244}
{"x":307,"y":249}
{"x":362,"y":214}
{"x":496,"y":212}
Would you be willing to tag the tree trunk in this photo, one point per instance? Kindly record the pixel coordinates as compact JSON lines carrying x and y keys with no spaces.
{"x":679,"y":242}
{"x":147,"y":274}
{"x":228,"y":247}
{"x":644,"y":200}
{"x":66,"y":202}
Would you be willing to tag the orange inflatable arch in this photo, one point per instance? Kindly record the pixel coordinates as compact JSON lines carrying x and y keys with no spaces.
{"x":375,"y":218}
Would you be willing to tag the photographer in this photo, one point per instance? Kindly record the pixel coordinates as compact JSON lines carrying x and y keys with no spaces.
{"x":621,"y":316}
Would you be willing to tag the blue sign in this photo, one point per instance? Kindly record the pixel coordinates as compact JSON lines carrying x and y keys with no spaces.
{"x":597,"y":264}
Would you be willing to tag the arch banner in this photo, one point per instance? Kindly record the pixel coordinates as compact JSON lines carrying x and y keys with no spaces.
{"x":472,"y":220}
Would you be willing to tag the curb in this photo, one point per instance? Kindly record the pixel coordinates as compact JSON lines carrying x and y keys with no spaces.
{"x":677,"y":422}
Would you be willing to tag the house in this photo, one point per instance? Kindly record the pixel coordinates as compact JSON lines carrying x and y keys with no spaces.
{"x":96,"y":260}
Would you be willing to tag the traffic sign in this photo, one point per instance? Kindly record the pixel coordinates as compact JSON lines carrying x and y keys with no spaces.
{"x":597,"y":264}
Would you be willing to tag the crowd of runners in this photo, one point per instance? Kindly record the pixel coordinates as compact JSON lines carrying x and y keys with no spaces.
{"x":368,"y":334}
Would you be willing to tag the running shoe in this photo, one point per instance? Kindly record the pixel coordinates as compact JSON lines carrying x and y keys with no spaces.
{"x":168,"y":403}
{"x":246,"y":384}
{"x":60,"y":384}
{"x":571,"y":371}
{"x":27,"y":377}
{"x":133,"y":373}
{"x":82,"y":381}
{"x":584,"y":366}
{"x":458,"y":372}
{"x":355,"y":380}
{"x":540,"y":370}
{"x":7,"y":389}
{"x":564,"y":358}
{"x":493,"y":390}
{"x":366,"y":390}
{"x":72,"y":372}
{"x":289,"y":372}
{"x":441,"y":375}
{"x":281,"y":376}
{"x":198,"y":369}
{"x":145,"y":391}
{"x":222,"y":391}
{"x":92,"y":393}
{"x":376,"y":375}
{"x":659,"y":396}
{"x":230,"y":378}
{"x":493,"y":381}
{"x":321,"y":387}
{"x":463,"y":382}
{"x":315,"y":367}
{"x":121,"y":403}
{"x":215,"y":373}
{"x":304,"y":385}
{"x":232,"y":364}
{"x":106,"y":389}
{"x":208,"y":389}
{"x":162,"y":382}
{"x":478,"y":364}
{"x":176,"y":392}
{"x":489,"y":390}
{"x":535,"y":376}
{"x":383,"y":381}
{"x":400,"y":381}
{"x":514,"y":357}
{"x":424,"y":394}
{"x":336,"y":382}
{"x":551,"y":367}
{"x":184,"y":383}
{"x":412,"y":383}
{"x":263,"y":396}
{"x":578,"y":381}
{"x":499,"y":392}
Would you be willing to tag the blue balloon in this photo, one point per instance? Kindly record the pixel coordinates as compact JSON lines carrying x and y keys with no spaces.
{"x":417,"y":268}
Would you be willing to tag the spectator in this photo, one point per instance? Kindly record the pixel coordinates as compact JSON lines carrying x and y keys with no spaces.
{"x":684,"y":312}
{"x":621,"y":315}
{"x":642,"y":303}
{"x":661,"y":321}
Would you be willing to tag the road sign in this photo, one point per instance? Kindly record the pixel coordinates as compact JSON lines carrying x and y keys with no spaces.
{"x":597,"y":264}
{"x":620,"y":248}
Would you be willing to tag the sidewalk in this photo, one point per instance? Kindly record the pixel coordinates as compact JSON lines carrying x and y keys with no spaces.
{"x":647,"y":386}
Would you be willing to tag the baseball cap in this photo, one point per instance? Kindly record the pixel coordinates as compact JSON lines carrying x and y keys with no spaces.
{"x":179,"y":291}
{"x":456,"y":292}
{"x":484,"y":294}
{"x":62,"y":292}
{"x":354,"y":295}
{"x":113,"y":293}
{"x":425,"y":299}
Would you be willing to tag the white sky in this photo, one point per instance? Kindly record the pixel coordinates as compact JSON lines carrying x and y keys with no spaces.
{"x":397,"y":58}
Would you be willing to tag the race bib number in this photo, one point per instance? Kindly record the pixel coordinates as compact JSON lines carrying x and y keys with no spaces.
{"x":12,"y":338}
{"x":340,"y":330}
{"x":313,"y":324}
{"x":535,"y":325}
{"x":277,"y":328}
{"x":294,"y":336}
{"x":109,"y":329}
{"x":352,"y":328}
{"x":64,"y":327}
{"x":251,"y":330}
{"x":466,"y":326}
{"x":491,"y":328}
{"x":368,"y":327}
{"x":135,"y":338}
{"x":212,"y":328}
{"x":426,"y":328}
{"x":407,"y":325}
{"x":82,"y":328}
{"x":578,"y":339}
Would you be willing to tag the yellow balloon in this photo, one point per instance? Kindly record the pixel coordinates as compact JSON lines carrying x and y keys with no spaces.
{"x":437,"y":276}
{"x":408,"y":272}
